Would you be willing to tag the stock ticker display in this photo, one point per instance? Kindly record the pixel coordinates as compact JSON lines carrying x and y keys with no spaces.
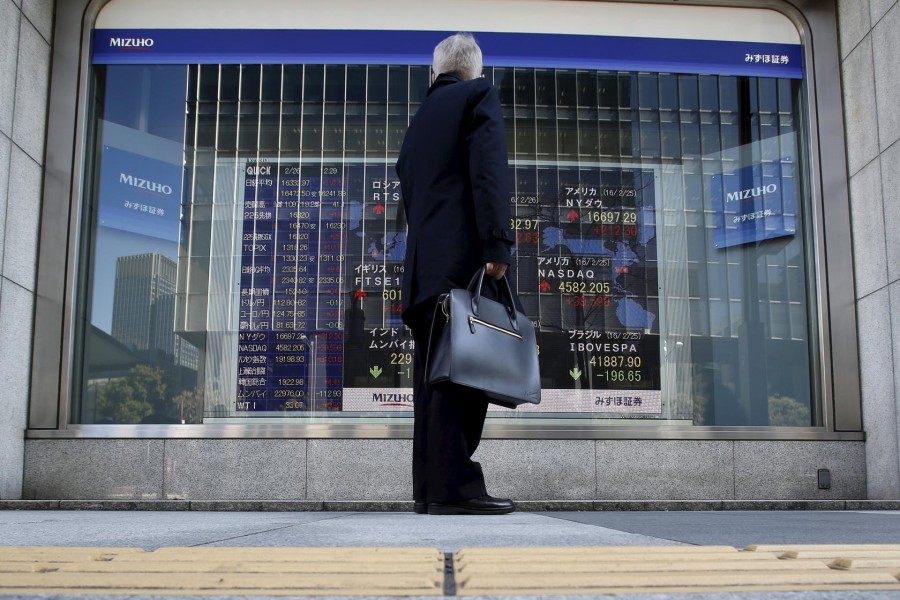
{"x":323,"y":245}
{"x":290,"y":142}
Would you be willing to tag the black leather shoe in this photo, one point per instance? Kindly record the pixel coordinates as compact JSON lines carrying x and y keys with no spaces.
{"x":420,"y":508}
{"x":483,"y":505}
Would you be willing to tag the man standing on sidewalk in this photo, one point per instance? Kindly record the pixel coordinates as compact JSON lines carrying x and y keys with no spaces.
{"x":453,"y":175}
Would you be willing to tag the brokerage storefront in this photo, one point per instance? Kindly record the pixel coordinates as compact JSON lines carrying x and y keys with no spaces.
{"x":226,"y":322}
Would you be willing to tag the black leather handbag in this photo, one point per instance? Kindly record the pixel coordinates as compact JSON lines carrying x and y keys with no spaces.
{"x":485,"y":345}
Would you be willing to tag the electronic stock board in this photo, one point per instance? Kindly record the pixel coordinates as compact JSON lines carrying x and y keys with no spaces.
{"x":322,"y":237}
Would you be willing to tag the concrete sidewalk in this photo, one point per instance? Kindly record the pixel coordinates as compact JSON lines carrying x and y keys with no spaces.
{"x":679,"y":531}
{"x":150,"y":530}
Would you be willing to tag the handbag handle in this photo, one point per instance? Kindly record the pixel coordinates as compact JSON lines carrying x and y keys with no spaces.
{"x":475,"y":287}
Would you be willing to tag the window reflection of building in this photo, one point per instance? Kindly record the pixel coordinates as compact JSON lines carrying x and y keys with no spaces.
{"x":144,"y":309}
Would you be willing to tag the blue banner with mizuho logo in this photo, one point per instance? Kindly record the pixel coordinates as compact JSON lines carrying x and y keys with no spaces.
{"x":753,"y":203}
{"x":548,"y":50}
{"x":139,"y":194}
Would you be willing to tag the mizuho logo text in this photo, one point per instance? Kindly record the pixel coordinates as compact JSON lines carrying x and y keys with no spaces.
{"x":145,"y":184}
{"x":118,"y":42}
{"x":751,"y":193}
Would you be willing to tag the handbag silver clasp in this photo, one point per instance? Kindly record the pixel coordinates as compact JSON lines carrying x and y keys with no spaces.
{"x":473,"y":320}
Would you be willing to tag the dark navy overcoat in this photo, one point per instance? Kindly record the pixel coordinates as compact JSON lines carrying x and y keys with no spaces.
{"x":454,"y":177}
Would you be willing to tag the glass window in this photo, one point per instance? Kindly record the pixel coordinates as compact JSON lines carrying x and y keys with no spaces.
{"x":136,"y":367}
{"x":246,"y":245}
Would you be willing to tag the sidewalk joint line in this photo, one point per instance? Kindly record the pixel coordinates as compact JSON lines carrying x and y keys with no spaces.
{"x":236,"y":537}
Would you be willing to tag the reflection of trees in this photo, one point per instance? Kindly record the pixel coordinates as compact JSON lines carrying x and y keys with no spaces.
{"x":147,"y":395}
{"x":785,"y":411}
{"x":189,"y":405}
{"x":701,"y":399}
{"x":134,"y":398}
{"x":709,"y":393}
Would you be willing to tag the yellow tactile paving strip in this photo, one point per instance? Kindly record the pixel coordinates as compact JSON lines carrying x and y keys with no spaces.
{"x":223,"y":571}
{"x":420,"y":571}
{"x":673,"y":569}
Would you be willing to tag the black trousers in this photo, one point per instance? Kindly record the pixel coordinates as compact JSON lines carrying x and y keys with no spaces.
{"x":449,"y":420}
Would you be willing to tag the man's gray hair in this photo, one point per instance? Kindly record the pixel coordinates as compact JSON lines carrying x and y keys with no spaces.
{"x":458,"y":54}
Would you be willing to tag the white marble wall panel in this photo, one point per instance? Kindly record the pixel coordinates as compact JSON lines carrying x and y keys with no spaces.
{"x":539,"y":469}
{"x":886,"y":54}
{"x":40,"y":13}
{"x":861,"y":119}
{"x":867,"y":216}
{"x":854,"y":23}
{"x":379,"y":470}
{"x":22,"y":219}
{"x":880,"y":8}
{"x":24,"y":75}
{"x":15,"y":332}
{"x":5,"y":152}
{"x":94,"y":469}
{"x":9,"y":56}
{"x":890,"y":186}
{"x":665,"y":470}
{"x":32,"y":76}
{"x":879,"y":401}
{"x":871,"y":80}
{"x":788,"y":470}
{"x":359,"y":470}
{"x":894,"y":299}
{"x":235,"y":470}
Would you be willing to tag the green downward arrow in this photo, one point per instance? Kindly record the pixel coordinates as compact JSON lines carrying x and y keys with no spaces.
{"x":376,"y":371}
{"x":575,"y":373}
